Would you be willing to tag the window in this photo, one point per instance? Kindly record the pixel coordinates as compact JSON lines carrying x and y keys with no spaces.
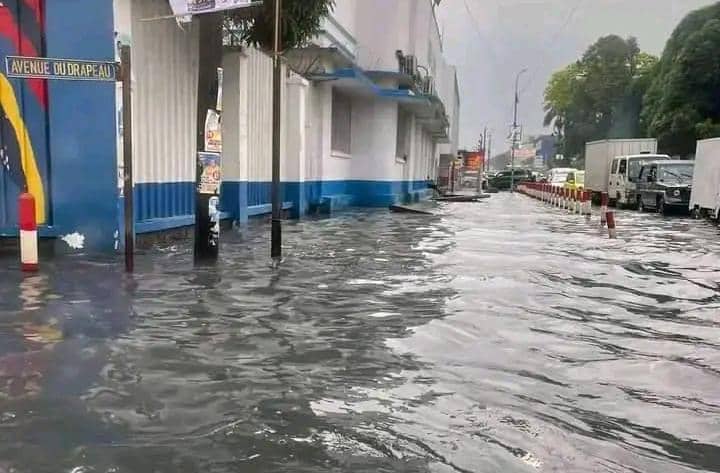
{"x":614,"y":166}
{"x":403,"y":133}
{"x":623,"y":167}
{"x":341,"y":123}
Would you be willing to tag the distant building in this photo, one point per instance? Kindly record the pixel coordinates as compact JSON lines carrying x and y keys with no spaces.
{"x":546,"y":149}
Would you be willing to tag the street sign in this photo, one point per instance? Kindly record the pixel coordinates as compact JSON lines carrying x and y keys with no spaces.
{"x":67,"y":69}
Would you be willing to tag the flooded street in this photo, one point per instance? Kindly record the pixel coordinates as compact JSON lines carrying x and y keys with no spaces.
{"x":499,"y":336}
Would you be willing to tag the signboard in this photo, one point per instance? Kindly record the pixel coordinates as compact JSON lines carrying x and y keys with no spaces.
{"x":210,"y":178}
{"x":474,"y":160}
{"x":67,"y":69}
{"x":196,"y":7}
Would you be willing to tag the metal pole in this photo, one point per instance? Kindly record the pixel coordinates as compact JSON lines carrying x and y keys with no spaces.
{"x":514,"y":132}
{"x":276,"y":230}
{"x":126,"y":77}
{"x":489,"y":149}
{"x":481,"y":168}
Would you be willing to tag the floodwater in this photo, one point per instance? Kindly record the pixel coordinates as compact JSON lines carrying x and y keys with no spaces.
{"x":503,"y":336}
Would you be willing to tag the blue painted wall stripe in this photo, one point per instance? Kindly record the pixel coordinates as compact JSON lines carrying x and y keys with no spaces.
{"x":167,"y":205}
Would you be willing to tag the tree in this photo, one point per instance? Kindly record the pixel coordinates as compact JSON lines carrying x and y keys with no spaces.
{"x":302,"y":20}
{"x":599,"y":96}
{"x":682,"y":104}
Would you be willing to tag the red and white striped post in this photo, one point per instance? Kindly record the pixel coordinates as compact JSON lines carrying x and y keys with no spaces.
{"x":612,"y":232}
{"x":579,"y":203}
{"x":574,"y":207}
{"x":28,"y":233}
{"x":603,"y":208}
{"x":587,"y":205}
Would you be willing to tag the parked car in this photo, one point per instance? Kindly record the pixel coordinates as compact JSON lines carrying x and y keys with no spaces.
{"x":624,"y":172}
{"x":665,"y":185}
{"x":501,"y":181}
{"x":575,"y":180}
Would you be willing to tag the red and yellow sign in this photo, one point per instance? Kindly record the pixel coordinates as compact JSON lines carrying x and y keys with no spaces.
{"x":474,"y":160}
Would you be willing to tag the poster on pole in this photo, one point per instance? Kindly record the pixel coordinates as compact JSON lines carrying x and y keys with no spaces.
{"x":210,"y":177}
{"x":213,"y":132}
{"x":183,"y":8}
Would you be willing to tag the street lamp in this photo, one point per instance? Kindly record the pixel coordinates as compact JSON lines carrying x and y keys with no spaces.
{"x":514,"y":131}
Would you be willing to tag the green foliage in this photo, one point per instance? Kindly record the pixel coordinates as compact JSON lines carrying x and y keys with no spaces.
{"x":600,"y":96}
{"x":682,"y":104}
{"x":301,"y":20}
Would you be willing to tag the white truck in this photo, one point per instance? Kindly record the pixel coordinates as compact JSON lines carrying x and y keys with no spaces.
{"x":599,"y":157}
{"x":705,"y":195}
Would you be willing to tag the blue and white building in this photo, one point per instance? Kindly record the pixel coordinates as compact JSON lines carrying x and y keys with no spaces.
{"x":368,"y":110}
{"x":369,"y":107}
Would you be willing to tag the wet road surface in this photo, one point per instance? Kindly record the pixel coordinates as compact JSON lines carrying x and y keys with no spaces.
{"x":499,"y":336}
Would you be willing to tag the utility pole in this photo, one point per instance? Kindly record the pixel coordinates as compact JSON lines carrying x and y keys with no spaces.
{"x":208,"y":159}
{"x":276,"y":230}
{"x":481,"y":167}
{"x":515,"y":131}
{"x":489,"y":148}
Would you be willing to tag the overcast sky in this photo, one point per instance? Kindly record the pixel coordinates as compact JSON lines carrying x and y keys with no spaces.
{"x":490,"y":40}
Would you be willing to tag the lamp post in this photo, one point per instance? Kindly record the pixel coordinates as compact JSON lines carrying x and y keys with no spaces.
{"x":514,"y":131}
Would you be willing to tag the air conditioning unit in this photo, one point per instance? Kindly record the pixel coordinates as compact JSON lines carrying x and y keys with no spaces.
{"x":427,"y":86}
{"x":408,"y":65}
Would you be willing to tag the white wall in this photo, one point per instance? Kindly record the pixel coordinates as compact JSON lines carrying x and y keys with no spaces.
{"x":247,"y":120}
{"x":165,"y":69}
{"x":382,"y":27}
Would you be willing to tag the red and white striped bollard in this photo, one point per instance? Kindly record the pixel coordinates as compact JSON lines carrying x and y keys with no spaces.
{"x":612,"y":232}
{"x":28,"y":233}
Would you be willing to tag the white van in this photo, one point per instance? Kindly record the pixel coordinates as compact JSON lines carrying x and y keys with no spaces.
{"x":624,"y":171}
{"x":558,"y":176}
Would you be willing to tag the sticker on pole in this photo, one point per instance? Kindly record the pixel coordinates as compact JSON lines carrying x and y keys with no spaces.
{"x":210,"y":177}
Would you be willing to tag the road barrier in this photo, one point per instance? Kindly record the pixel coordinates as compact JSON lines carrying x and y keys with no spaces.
{"x":574,"y":201}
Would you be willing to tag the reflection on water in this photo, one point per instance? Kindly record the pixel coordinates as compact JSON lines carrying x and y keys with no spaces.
{"x":500,"y":336}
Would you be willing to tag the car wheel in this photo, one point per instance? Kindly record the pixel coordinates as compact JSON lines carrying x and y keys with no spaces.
{"x":661,"y":206}
{"x":640,"y":205}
